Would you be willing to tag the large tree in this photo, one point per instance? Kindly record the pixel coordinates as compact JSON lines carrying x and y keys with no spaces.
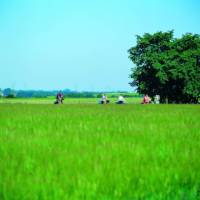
{"x":167,"y":66}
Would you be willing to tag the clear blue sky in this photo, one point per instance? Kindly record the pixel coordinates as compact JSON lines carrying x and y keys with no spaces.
{"x":81,"y":44}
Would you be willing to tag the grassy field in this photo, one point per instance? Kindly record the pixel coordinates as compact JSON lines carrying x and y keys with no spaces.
{"x":88,"y":151}
{"x":50,"y":100}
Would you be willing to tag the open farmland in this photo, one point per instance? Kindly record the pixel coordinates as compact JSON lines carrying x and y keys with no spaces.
{"x":88,"y":151}
{"x":51,"y":100}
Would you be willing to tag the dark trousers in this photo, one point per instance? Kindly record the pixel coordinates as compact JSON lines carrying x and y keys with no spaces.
{"x":120,"y":102}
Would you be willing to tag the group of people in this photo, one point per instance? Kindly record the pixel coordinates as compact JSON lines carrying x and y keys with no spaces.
{"x":147,"y":99}
{"x":105,"y":100}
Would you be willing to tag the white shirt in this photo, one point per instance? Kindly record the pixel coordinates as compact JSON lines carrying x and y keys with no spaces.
{"x":104,"y":97}
{"x":121,"y":98}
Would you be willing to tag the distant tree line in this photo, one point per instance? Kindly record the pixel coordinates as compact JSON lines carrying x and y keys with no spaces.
{"x":167,"y":66}
{"x":10,"y":93}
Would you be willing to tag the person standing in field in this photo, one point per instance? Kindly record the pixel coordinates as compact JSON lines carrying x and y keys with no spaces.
{"x":59,"y":98}
{"x":157,"y":99}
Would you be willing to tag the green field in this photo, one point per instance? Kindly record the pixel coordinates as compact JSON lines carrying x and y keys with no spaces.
{"x":91,"y":151}
{"x":50,"y":100}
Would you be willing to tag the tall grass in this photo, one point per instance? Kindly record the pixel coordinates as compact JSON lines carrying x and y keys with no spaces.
{"x":88,"y":151}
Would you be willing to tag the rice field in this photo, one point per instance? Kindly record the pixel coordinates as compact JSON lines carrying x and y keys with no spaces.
{"x":91,"y":151}
{"x":51,"y":100}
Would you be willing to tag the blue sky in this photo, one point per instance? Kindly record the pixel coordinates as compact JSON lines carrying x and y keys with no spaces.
{"x":81,"y":44}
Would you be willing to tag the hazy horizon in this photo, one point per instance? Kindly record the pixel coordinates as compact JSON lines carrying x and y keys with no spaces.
{"x":81,"y":45}
{"x":70,"y":90}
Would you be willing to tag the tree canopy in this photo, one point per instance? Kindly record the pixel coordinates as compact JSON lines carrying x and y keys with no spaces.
{"x":167,"y":66}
